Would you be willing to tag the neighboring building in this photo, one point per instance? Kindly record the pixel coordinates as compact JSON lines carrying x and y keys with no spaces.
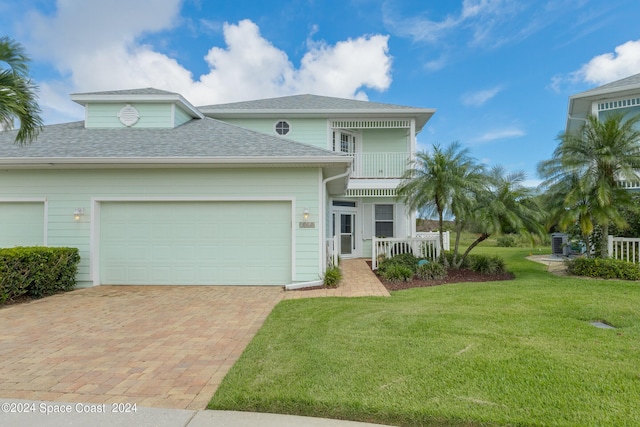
{"x":621,"y":96}
{"x":153,"y":190}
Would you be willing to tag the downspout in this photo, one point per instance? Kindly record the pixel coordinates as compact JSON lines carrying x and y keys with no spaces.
{"x":323,"y":258}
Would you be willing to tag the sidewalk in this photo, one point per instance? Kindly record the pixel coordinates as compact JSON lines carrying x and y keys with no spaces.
{"x":80,"y":415}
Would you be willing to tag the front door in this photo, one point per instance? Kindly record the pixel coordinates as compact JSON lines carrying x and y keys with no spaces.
{"x":344,"y":227}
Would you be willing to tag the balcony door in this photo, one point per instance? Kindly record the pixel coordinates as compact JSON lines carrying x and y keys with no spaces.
{"x":346,"y":142}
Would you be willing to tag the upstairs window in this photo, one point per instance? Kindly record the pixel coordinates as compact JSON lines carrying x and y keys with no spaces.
{"x":282,"y":127}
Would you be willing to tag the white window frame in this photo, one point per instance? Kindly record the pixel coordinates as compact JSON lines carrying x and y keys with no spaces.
{"x":392,"y":221}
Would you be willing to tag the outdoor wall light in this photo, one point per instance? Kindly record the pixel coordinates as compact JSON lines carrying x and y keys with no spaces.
{"x":77,"y":213}
{"x":305,"y":214}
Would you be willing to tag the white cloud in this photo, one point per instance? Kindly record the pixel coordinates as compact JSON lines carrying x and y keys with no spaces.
{"x":479,"y":98}
{"x":498,"y":134}
{"x":94,"y":46}
{"x":611,"y":66}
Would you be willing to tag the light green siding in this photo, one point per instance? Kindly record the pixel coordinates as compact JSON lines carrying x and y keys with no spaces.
{"x":195,"y":243}
{"x":21,"y":224}
{"x":66,"y":190}
{"x":385,"y":141}
{"x":105,"y":115}
{"x":307,"y":131}
{"x":181,"y":116}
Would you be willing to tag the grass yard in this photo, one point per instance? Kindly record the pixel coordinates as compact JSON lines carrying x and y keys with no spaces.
{"x":518,"y":352}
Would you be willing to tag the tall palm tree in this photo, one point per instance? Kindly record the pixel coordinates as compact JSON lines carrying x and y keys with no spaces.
{"x":594,"y":159}
{"x":506,"y":204}
{"x":18,"y":98}
{"x":439,"y":182}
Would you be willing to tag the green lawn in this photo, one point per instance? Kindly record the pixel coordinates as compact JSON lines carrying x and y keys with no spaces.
{"x":519,"y":352}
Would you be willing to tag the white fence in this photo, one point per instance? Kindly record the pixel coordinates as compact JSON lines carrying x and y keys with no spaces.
{"x":425,"y":246}
{"x":430,"y":234}
{"x":624,"y":248}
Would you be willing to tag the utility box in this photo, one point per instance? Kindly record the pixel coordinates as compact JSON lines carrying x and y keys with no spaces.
{"x":559,"y":244}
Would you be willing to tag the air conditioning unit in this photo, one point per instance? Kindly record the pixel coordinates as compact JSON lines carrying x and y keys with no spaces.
{"x":559,"y":244}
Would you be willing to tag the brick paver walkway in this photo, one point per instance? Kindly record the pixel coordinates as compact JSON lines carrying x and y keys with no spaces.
{"x":158,"y":346}
{"x":357,"y":281}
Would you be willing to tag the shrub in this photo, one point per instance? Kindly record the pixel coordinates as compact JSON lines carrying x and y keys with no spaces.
{"x":449,"y":256}
{"x":506,"y":241}
{"x":407,"y":260}
{"x":603,"y":268}
{"x":431,"y":271}
{"x":332,"y":277}
{"x":37,"y":271}
{"x":397,"y":273}
{"x":487,"y":264}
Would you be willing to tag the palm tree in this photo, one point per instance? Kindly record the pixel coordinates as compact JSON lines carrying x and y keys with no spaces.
{"x":506,"y":204}
{"x":440,"y":183}
{"x":18,"y":93}
{"x":593,"y":161}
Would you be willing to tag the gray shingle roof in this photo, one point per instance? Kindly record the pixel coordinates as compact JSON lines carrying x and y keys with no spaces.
{"x":305,"y":102}
{"x":197,"y":139}
{"x":618,"y":84}
{"x":142,"y":91}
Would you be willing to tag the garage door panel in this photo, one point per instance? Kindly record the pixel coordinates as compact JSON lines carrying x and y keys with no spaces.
{"x":243,"y":243}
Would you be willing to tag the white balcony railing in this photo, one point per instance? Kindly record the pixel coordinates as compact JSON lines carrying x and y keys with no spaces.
{"x":380,"y":165}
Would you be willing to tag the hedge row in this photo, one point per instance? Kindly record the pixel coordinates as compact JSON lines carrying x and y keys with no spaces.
{"x":603,"y":268}
{"x":37,"y":271}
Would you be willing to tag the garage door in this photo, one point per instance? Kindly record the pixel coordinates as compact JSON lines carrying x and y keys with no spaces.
{"x":21,"y":224}
{"x":195,"y":243}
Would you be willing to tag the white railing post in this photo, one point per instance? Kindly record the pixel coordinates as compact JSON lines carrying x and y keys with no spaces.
{"x":610,"y":246}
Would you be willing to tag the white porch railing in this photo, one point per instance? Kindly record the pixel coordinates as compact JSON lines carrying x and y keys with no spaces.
{"x":624,"y":248}
{"x":380,"y":165}
{"x":431,"y":234}
{"x":422,"y":247}
{"x":332,"y":251}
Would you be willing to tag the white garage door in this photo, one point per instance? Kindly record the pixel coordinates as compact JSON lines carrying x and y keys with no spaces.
{"x":21,"y":224}
{"x":195,"y":243}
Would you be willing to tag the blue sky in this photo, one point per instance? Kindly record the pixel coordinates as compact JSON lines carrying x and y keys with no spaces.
{"x":499,"y":72}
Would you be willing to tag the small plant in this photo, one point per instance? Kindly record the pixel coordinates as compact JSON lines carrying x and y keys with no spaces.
{"x":397,"y":273}
{"x":332,"y":277}
{"x":506,"y":241}
{"x":407,"y":259}
{"x":487,"y":264}
{"x":431,"y":271}
{"x":603,"y":268}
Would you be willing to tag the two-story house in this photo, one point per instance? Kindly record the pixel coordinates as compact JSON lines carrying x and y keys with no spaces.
{"x":154,"y":190}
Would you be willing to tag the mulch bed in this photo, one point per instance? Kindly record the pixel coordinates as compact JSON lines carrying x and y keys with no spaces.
{"x":462,"y":275}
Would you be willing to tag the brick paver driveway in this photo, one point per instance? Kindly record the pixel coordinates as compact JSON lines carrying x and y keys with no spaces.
{"x":163,"y":346}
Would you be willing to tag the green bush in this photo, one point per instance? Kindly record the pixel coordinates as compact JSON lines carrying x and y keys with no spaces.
{"x":431,"y":271}
{"x":37,"y":271}
{"x":332,"y":277}
{"x":506,"y":241}
{"x":603,"y":268}
{"x":406,"y":259}
{"x":397,"y":273}
{"x":487,"y":264}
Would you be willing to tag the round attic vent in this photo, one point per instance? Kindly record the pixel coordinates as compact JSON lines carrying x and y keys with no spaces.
{"x":128,"y":115}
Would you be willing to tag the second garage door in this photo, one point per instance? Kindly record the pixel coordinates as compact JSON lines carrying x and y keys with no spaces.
{"x":195,"y":243}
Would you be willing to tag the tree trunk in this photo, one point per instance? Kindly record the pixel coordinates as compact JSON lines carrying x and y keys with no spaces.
{"x":604,"y":243}
{"x":480,"y":239}
{"x":445,"y":262}
{"x":459,"y":226}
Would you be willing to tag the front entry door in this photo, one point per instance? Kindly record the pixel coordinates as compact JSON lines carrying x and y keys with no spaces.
{"x":347,"y":234}
{"x":344,"y":228}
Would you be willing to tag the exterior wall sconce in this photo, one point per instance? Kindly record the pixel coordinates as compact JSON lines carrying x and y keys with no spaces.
{"x":305,"y":214}
{"x":77,"y":213}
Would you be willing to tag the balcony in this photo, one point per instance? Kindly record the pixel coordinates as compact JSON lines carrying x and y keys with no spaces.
{"x":380,"y":165}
